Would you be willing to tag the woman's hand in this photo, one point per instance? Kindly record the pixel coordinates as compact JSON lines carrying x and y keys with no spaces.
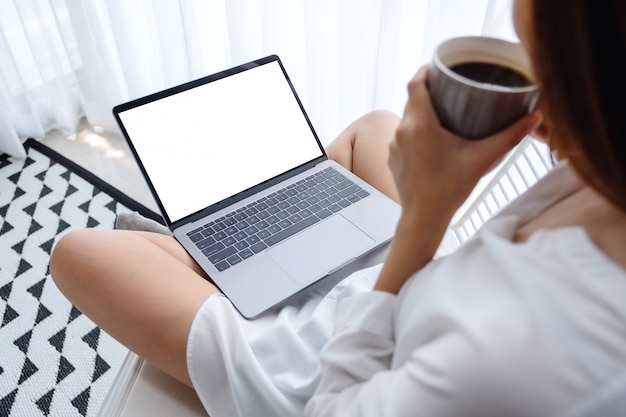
{"x":435,"y":171}
{"x":431,"y":164}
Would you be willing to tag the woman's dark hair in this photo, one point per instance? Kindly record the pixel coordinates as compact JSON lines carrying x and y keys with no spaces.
{"x":579,"y":52}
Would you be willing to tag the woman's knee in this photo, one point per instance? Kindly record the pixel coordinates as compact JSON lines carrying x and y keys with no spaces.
{"x":380,"y":119}
{"x":376,"y":128}
{"x":66,"y":257}
{"x":373,"y":130}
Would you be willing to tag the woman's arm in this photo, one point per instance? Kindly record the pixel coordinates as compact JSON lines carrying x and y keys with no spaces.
{"x":357,"y":379}
{"x":434,"y":171}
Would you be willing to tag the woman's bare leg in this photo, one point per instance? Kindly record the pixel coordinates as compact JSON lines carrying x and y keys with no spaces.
{"x":363,"y":148}
{"x":145,"y":290}
{"x":141,"y":288}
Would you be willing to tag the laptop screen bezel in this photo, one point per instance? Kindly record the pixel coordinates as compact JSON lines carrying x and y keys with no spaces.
{"x":191,"y":217}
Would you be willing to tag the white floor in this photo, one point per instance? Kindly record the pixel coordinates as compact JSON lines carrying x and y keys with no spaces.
{"x":107,"y":156}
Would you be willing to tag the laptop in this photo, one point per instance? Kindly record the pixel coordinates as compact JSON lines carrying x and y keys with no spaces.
{"x":246,"y":187}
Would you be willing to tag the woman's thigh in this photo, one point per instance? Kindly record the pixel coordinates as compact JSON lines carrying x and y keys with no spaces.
{"x":141,"y":288}
{"x":363,"y":148}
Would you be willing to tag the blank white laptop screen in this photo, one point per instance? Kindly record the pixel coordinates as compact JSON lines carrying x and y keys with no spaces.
{"x":228,"y":135}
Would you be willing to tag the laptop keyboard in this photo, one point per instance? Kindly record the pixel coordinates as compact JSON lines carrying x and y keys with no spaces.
{"x":249,"y":230}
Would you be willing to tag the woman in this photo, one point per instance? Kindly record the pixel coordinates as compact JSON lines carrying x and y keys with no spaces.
{"x":527,"y":318}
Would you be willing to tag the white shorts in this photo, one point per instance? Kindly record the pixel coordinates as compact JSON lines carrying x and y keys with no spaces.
{"x":268,"y":366}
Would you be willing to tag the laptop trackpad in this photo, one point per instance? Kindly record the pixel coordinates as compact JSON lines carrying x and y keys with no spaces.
{"x":320,"y":249}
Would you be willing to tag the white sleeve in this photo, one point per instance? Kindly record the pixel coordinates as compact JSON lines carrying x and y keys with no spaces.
{"x":357,"y":375}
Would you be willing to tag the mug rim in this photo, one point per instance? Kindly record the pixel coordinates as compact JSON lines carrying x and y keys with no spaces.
{"x":477,"y":84}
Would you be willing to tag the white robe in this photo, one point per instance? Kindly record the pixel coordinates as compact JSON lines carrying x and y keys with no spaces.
{"x":496,"y":328}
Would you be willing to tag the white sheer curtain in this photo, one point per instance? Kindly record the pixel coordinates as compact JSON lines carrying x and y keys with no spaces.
{"x":62,"y":59}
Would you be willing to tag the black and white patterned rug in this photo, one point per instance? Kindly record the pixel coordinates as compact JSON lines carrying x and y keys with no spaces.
{"x":53,"y":360}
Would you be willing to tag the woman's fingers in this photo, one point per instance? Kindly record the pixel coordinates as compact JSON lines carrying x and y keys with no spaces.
{"x":428,"y":161}
{"x":494,"y":147}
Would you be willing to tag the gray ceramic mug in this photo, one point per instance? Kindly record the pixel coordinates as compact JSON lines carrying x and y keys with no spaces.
{"x":472,"y":89}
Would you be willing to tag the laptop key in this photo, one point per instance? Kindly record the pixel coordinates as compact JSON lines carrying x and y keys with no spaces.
{"x":274,"y":229}
{"x":263,"y":234}
{"x":196,"y":238}
{"x":331,"y":181}
{"x":322,"y":195}
{"x":246,"y":253}
{"x":295,"y":218}
{"x":354,"y":198}
{"x":205,"y":243}
{"x":213,"y":249}
{"x":222,"y":255}
{"x":329,"y":172}
{"x":199,"y":229}
{"x":231,"y":230}
{"x":241,"y":245}
{"x":334,"y":208}
{"x":291,"y":230}
{"x":324,"y":213}
{"x":222,"y":266}
{"x":344,"y":203}
{"x":219,"y":235}
{"x":305,"y":213}
{"x":242,"y":225}
{"x":252,"y":240}
{"x":234,"y":260}
{"x":258,"y":247}
{"x":349,"y":191}
{"x":251,"y":230}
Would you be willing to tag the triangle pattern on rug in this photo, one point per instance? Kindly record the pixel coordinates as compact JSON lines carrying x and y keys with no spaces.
{"x":53,"y":348}
{"x":6,"y":402}
{"x":9,"y":315}
{"x":23,"y":342}
{"x":45,"y":402}
{"x":81,"y":401}
{"x":28,"y":369}
{"x":65,"y":368}
{"x":5,"y":291}
{"x":100,"y":368}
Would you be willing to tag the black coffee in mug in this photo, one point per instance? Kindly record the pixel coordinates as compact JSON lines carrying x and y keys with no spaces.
{"x":489,"y":73}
